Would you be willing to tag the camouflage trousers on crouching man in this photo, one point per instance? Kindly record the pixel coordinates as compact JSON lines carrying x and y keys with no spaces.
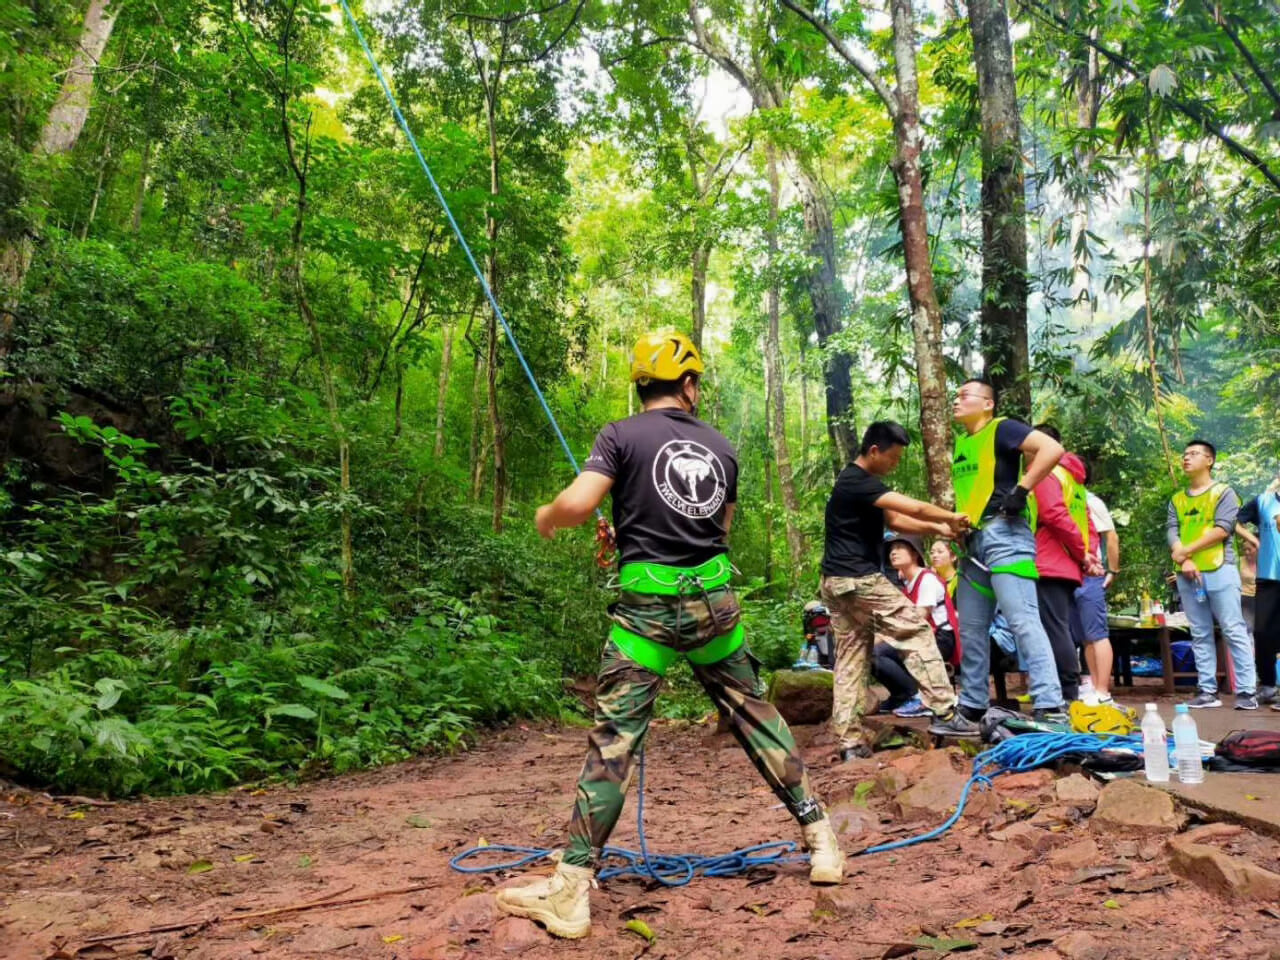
{"x":660,"y":617}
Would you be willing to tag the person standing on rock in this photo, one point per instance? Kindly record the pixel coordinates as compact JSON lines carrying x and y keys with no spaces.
{"x":1199,"y":523}
{"x":999,"y":566}
{"x":674,"y":484}
{"x":862,"y":601}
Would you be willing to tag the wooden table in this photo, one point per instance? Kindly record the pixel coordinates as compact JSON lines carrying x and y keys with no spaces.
{"x":1125,"y":631}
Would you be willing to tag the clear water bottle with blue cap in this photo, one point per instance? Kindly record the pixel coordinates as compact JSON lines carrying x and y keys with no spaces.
{"x":1202,"y":595}
{"x":1186,"y":746}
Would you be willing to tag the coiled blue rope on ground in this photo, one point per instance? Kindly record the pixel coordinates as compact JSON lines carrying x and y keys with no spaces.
{"x":1018,"y":754}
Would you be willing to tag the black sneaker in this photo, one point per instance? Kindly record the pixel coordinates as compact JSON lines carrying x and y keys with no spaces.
{"x":860,"y":752}
{"x":1203,"y":699}
{"x":1057,"y":715}
{"x":956,"y":725}
{"x":1268,"y":695}
{"x":1246,"y":701}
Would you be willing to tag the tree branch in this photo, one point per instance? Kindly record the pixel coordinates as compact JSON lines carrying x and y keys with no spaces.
{"x":1249,"y":58}
{"x":858,"y":63}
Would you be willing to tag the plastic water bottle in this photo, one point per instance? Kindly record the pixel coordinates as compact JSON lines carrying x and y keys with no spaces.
{"x":1186,"y":746}
{"x":1155,"y":749}
{"x":1202,"y":595}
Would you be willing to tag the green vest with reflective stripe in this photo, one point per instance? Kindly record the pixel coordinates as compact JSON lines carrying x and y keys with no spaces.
{"x":973,"y":471}
{"x":1195,"y":516}
{"x":1073,"y":495}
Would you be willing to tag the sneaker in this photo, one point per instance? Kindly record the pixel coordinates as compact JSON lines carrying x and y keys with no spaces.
{"x":561,"y":902}
{"x":1056,"y":715}
{"x":913,"y":708}
{"x":1268,"y":695}
{"x":1203,"y":699}
{"x":956,"y":725}
{"x":890,"y":705}
{"x":857,"y":752}
{"x":826,"y":860}
{"x":1246,"y":701}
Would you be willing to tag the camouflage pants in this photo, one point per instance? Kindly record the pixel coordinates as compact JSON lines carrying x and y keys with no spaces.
{"x":625,"y":696}
{"x":864,"y":609}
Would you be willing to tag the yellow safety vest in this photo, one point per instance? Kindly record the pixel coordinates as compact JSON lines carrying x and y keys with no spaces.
{"x":1073,"y":495}
{"x":1195,"y":516}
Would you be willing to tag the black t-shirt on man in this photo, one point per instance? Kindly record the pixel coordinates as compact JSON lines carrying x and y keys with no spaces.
{"x":673,"y":476}
{"x":855,"y":525}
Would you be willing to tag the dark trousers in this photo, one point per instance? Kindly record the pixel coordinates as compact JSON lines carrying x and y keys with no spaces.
{"x":1266,"y":630}
{"x":887,"y":667}
{"x":1056,"y":597}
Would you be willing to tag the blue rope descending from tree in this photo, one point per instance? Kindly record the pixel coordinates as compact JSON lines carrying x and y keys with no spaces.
{"x":457,"y":232}
{"x":1015,"y":755}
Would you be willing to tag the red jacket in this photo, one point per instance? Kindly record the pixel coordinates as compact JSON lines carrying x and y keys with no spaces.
{"x":1060,"y":550}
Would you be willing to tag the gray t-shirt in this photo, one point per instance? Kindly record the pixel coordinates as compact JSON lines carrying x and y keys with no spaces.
{"x":673,"y":477}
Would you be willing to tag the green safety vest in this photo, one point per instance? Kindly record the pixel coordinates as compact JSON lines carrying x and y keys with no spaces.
{"x":1073,"y":495}
{"x":1195,"y":516}
{"x":973,"y":472}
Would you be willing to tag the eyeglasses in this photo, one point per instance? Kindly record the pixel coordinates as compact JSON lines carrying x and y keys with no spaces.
{"x":961,"y":395}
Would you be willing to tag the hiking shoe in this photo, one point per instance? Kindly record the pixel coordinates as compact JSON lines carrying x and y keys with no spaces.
{"x":826,"y":860}
{"x":1203,"y":699}
{"x":913,"y":708}
{"x":1055,"y":715}
{"x":1246,"y":701}
{"x":955,"y":725}
{"x":891,"y":705}
{"x":561,"y":902}
{"x":857,"y":752}
{"x":1268,"y":695}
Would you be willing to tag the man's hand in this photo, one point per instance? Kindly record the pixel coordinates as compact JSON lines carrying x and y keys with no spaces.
{"x":1093,"y":567}
{"x":1108,"y":580}
{"x":1179,"y":553}
{"x":1013,"y":503}
{"x":542,"y":520}
{"x":959,"y":523}
{"x":1189,"y":569}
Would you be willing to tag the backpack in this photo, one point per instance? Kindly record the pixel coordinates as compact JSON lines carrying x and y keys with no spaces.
{"x":1251,"y":748}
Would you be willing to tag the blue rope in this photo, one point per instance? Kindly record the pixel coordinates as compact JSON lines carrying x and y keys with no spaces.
{"x":1015,"y":755}
{"x":457,"y":231}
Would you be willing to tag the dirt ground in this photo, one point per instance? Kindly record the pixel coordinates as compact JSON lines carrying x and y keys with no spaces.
{"x":71,"y":872}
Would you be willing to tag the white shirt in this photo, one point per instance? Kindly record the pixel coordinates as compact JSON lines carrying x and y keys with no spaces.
{"x":1101,"y":518}
{"x":932,"y":596}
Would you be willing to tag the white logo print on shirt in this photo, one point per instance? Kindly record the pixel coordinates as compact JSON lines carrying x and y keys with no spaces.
{"x":689,"y":478}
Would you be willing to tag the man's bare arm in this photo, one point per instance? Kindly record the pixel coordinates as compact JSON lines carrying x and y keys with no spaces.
{"x":574,"y":504}
{"x":901,"y":506}
{"x":1043,"y":453}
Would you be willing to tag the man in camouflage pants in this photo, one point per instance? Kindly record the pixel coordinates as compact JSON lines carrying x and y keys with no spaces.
{"x":863,"y":603}
{"x":673,"y":480}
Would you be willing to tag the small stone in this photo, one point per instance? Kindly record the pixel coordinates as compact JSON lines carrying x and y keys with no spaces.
{"x":1077,"y":791}
{"x":1127,"y":848}
{"x":1079,"y":945}
{"x":1076,"y":856}
{"x":1209,"y":831}
{"x":514,"y":935}
{"x":1021,"y":833}
{"x":473,"y":914}
{"x":1028,"y":780}
{"x":1149,"y":851}
{"x":1219,"y":873}
{"x":1128,"y":807}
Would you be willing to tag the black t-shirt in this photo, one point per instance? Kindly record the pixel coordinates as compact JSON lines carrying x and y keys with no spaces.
{"x":673,"y":476}
{"x":1010,"y":434}
{"x":855,"y":525}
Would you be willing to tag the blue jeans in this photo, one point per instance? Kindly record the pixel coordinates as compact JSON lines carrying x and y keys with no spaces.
{"x":1223,"y":587}
{"x":998,"y":543}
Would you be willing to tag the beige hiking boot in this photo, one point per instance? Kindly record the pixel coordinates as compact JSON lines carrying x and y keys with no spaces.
{"x":561,"y":902}
{"x":826,"y":861}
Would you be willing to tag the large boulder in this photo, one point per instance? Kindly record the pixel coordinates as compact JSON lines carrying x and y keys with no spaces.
{"x":1127,"y":807}
{"x":940,"y":776}
{"x":1221,"y":873}
{"x":802,"y":696}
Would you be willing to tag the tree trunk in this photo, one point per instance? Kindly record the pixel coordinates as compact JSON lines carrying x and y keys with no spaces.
{"x":71,"y":109}
{"x":773,"y":364}
{"x":698,"y":289}
{"x":442,"y":391}
{"x":826,"y":294}
{"x":139,"y":198}
{"x":926,"y":317}
{"x":768,"y":471}
{"x":1004,"y":218}
{"x":1086,"y":119}
{"x":491,"y":274}
{"x":804,"y":396}
{"x":479,"y":449}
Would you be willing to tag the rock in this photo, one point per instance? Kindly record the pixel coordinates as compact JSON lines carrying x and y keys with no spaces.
{"x":1077,"y":791}
{"x":802,"y":696}
{"x":891,"y":781}
{"x":941,"y":778}
{"x":438,"y":947}
{"x":473,"y":914}
{"x":1219,"y":873}
{"x":1028,"y":780}
{"x":1127,"y":849}
{"x":513,"y":935}
{"x":1209,"y":831}
{"x":1079,"y":945}
{"x":1149,"y":851}
{"x":841,"y":901}
{"x":1075,"y":856}
{"x":1128,"y":807}
{"x":851,"y":820}
{"x":1024,"y":835}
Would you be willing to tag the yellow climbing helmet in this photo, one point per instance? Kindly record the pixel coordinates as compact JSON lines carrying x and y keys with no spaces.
{"x":1102,"y":718}
{"x":664,"y":356}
